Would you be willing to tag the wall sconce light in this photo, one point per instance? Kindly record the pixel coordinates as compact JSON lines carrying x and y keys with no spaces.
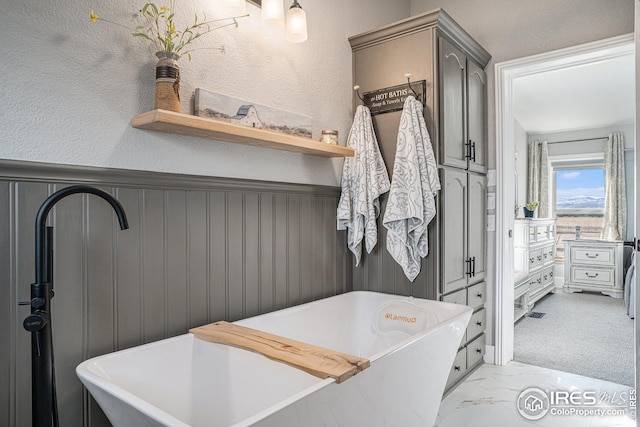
{"x":272,"y":13}
{"x":296,"y":23}
{"x":235,"y":7}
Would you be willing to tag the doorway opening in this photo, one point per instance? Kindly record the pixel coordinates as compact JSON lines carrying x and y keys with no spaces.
{"x":512,"y":192}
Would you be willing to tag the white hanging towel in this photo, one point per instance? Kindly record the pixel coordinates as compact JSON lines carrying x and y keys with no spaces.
{"x":364,"y":179}
{"x":414,"y":185}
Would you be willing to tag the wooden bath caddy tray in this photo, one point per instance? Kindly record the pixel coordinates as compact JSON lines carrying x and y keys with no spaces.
{"x":318,"y":361}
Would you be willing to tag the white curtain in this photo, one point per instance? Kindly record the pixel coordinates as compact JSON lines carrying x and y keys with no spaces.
{"x":538,"y":177}
{"x":615,"y":202}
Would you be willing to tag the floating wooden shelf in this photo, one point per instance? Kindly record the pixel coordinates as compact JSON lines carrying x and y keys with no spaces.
{"x":185,"y":124}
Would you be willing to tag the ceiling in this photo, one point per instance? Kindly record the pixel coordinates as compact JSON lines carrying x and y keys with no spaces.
{"x":587,"y":96}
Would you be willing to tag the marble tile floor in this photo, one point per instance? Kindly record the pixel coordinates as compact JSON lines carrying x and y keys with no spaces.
{"x":488,"y":398}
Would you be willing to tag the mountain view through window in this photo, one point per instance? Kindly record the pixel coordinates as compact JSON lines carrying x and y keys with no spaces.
{"x":579,"y":202}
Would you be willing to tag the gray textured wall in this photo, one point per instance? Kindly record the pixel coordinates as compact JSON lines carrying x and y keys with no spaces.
{"x":198,"y":250}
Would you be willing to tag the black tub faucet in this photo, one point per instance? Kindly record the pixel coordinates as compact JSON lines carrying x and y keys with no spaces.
{"x":43,"y":385}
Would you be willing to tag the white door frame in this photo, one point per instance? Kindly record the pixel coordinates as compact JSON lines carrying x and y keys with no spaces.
{"x":505,"y":74}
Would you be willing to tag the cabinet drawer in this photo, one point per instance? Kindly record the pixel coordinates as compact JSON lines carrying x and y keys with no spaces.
{"x":477,"y":295}
{"x":547,"y":275}
{"x":477,"y":324}
{"x":475,"y":351}
{"x":535,"y":258}
{"x":459,"y":366}
{"x":535,"y":281}
{"x":547,"y":255}
{"x":458,"y":297}
{"x":593,"y":256}
{"x":594,"y":276}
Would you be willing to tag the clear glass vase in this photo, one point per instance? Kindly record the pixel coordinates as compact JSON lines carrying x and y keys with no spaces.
{"x":168,"y":82}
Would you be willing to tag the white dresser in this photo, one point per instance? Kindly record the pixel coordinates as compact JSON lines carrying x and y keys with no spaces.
{"x":594,"y":265}
{"x":534,"y":253}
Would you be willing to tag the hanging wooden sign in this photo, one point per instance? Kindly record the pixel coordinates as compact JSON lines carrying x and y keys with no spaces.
{"x":392,"y":98}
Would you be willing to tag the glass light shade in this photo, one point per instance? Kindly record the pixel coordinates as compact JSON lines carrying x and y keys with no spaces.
{"x":272,"y":13}
{"x":296,"y":24}
{"x":235,"y":7}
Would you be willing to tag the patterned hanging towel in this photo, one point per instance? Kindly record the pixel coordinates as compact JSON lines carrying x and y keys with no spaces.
{"x":414,"y":186}
{"x":364,"y":179}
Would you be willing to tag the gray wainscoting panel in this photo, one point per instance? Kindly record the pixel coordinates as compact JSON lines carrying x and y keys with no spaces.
{"x":198,"y":250}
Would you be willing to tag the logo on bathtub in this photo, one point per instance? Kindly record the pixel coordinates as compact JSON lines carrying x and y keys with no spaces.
{"x":399,"y":318}
{"x":533,"y":403}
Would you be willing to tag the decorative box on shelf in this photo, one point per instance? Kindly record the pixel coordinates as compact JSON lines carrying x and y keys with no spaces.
{"x":185,"y":124}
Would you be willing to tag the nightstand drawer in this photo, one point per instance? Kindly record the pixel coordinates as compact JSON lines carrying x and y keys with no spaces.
{"x":593,"y":256}
{"x":459,"y":366}
{"x":477,"y":324}
{"x":475,"y":351}
{"x":477,"y":295}
{"x":591,"y":275}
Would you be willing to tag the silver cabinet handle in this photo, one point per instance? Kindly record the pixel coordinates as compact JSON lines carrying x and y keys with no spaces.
{"x":590,"y":276}
{"x":479,"y":295}
{"x":591,"y":256}
{"x":457,"y":368}
{"x":479,"y":323}
{"x":478,"y":350}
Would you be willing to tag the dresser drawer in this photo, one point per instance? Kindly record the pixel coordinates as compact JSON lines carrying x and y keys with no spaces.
{"x":477,"y":324}
{"x":459,"y":366}
{"x":535,"y":258}
{"x":547,"y":275}
{"x":475,"y":351}
{"x":458,"y":297}
{"x":521,"y":289}
{"x":477,"y":295}
{"x":592,"y":275}
{"x":593,"y":256}
{"x":535,"y":281}
{"x":547,"y":255}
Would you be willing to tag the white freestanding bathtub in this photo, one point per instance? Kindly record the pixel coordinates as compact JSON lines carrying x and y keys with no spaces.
{"x":184,"y":381}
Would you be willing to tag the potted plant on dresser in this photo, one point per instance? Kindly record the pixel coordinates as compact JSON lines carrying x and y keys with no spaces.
{"x":529,"y":208}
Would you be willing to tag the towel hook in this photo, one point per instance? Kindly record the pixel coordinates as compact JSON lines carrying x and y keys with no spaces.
{"x":357,"y":89}
{"x":408,"y":76}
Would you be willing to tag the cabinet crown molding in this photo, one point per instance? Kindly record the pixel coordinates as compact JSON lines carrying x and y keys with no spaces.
{"x":437,"y":19}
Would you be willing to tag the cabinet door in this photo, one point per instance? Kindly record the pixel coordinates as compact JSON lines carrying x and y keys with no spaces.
{"x":454,"y":230}
{"x":476,"y":127}
{"x":452,"y":105}
{"x":477,"y":223}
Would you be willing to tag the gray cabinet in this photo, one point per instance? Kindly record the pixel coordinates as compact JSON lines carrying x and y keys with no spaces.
{"x":463,"y":99}
{"x":463,"y":219}
{"x":434,"y":48}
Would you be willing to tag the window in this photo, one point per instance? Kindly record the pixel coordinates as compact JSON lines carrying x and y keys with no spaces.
{"x":579,"y":201}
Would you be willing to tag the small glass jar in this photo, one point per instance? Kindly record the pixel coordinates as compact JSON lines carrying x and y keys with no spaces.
{"x":329,"y":137}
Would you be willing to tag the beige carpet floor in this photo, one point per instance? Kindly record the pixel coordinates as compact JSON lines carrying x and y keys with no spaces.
{"x":582,"y":333}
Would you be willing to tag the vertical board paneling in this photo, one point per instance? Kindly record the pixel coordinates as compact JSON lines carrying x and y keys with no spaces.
{"x":293,"y":250}
{"x":306,"y":249}
{"x":218,"y":254}
{"x":128,"y":286}
{"x":251,"y":254}
{"x":7,"y":306}
{"x":281,"y":261}
{"x":29,"y":196}
{"x":235,"y":256}
{"x":197,"y":256}
{"x":189,"y":257}
{"x":177,"y":316}
{"x":69,"y":305}
{"x":267,"y":233}
{"x":153,"y":279}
